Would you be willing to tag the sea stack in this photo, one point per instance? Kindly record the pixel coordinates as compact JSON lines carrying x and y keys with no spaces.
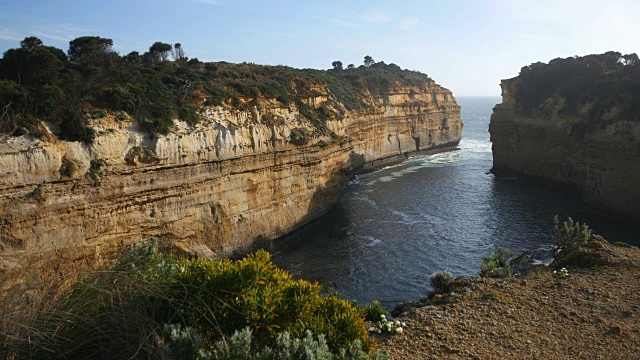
{"x":574,"y":123}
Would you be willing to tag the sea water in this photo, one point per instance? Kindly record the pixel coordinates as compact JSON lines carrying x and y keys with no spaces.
{"x":397,"y":225}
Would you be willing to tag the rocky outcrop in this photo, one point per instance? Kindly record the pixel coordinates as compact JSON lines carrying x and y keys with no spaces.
{"x":236,"y":179}
{"x":601,"y":162}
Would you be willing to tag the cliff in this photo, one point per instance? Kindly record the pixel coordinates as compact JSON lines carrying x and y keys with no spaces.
{"x":574,"y":123}
{"x":245,"y":173}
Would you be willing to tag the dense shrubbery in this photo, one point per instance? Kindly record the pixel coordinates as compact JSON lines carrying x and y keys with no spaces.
{"x":598,"y":88}
{"x":41,"y":82}
{"x":152,"y":305}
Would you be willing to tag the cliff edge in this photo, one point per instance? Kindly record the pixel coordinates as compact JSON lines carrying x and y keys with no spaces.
{"x":574,"y":122}
{"x":249,"y":153}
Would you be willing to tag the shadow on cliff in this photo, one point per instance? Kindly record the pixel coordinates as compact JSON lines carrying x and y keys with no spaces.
{"x":322,"y":201}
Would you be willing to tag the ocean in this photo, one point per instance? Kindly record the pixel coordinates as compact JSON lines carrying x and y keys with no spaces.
{"x":395,"y":226}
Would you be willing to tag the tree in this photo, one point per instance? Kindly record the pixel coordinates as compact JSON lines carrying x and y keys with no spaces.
{"x":30,"y":43}
{"x":160,"y":50}
{"x":351,"y":66}
{"x":368,"y":61}
{"x":629,"y":59}
{"x":337,"y":65}
{"x":89,"y":49}
{"x":133,"y":57}
{"x":178,"y":53}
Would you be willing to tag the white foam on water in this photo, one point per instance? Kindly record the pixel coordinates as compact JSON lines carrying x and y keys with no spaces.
{"x":468,"y":149}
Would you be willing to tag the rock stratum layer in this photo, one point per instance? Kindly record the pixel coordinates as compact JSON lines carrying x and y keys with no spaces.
{"x":597,"y":157}
{"x":237,"y":178}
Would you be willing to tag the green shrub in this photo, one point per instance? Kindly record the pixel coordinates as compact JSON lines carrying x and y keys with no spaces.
{"x":496,"y":265}
{"x":570,"y":233}
{"x":148,"y":304}
{"x":373,"y":311}
{"x":254,"y":292}
{"x":93,"y":173}
{"x":187,"y":344}
{"x":441,"y":281}
{"x":99,"y":114}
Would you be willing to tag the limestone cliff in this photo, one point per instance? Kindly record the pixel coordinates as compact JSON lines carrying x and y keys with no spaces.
{"x":594,"y":152}
{"x":241,"y":176}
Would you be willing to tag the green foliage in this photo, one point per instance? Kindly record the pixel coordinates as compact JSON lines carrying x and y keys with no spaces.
{"x":74,"y":128}
{"x":99,"y":114}
{"x":149,"y":305}
{"x":253,"y":292}
{"x":187,"y":344}
{"x":441,"y":282}
{"x":89,"y":49}
{"x":571,"y":233}
{"x":497,"y":264}
{"x":372,"y":312}
{"x":368,"y":61}
{"x":598,"y":89}
{"x":68,"y":168}
{"x":188,"y":113}
{"x":39,"y":82}
{"x":93,"y":174}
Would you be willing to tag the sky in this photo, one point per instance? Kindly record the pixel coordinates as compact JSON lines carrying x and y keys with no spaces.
{"x":467,"y":46}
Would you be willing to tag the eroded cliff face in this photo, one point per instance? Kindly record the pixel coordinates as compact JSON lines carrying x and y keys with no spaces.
{"x":237,"y":179}
{"x":600,"y":162}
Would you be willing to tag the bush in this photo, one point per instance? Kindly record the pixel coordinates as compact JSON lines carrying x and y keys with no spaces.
{"x":373,"y":311}
{"x":570,"y":233}
{"x":441,"y":281}
{"x":187,"y":344}
{"x":147,"y":304}
{"x":497,"y":264}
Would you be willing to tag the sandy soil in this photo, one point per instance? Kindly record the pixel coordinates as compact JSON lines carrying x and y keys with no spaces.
{"x":592,"y":314}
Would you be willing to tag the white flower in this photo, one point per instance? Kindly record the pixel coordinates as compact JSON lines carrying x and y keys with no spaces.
{"x":383,"y":317}
{"x":397,"y":323}
{"x":403,"y":324}
{"x":399,"y":330}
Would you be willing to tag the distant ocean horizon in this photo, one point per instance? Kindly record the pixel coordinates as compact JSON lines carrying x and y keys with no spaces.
{"x":395,"y":226}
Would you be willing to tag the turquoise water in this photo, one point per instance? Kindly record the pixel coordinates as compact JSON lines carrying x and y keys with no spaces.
{"x":395,"y":226}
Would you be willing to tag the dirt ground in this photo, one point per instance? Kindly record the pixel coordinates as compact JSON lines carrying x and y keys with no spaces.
{"x":592,"y":314}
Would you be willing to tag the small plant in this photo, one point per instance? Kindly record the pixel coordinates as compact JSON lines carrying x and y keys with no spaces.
{"x":562,"y":273}
{"x":99,"y":114}
{"x":497,"y":264}
{"x":185,"y":343}
{"x":68,"y":168}
{"x":441,"y":281}
{"x":93,"y":173}
{"x":373,"y":311}
{"x":570,"y":233}
{"x":385,"y":326}
{"x":122,"y":116}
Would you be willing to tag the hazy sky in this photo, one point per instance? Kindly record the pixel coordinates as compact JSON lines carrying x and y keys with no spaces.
{"x":466,"y":46}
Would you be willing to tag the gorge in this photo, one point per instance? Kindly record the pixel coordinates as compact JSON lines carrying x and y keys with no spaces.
{"x":246,"y":173}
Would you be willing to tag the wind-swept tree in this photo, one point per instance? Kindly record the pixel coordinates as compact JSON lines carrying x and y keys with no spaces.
{"x":30,"y":43}
{"x":178,"y":53}
{"x":160,"y":50}
{"x":337,"y":65}
{"x":368,"y":61}
{"x":88,"y":49}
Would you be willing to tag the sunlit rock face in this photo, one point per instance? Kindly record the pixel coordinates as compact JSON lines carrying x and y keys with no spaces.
{"x":602,"y":163}
{"x":238,"y":179}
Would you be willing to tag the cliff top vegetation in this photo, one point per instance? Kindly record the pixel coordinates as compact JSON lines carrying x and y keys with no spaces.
{"x":39,"y":82}
{"x":600,"y":89}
